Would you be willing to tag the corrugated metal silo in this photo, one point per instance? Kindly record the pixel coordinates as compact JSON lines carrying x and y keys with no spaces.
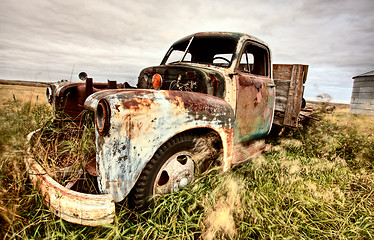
{"x":362,"y":100}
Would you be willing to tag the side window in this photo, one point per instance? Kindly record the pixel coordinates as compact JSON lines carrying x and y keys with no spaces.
{"x":246,"y":62}
{"x":254,"y":60}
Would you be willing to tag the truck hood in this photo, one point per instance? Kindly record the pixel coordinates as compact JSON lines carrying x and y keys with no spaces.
{"x":191,"y":99}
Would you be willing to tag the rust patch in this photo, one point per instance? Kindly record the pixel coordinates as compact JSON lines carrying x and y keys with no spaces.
{"x":227,"y":135}
{"x":179,"y":105}
{"x":253,"y":118}
{"x":138,"y":104}
{"x":196,"y":102}
{"x":67,"y":99}
{"x":214,"y":82}
{"x":243,"y":152}
{"x":91,"y":167}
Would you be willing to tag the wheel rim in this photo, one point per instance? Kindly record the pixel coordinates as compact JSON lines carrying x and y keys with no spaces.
{"x":176,"y":172}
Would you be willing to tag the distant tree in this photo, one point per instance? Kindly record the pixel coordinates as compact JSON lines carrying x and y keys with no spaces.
{"x":324,"y":97}
{"x":325,"y":100}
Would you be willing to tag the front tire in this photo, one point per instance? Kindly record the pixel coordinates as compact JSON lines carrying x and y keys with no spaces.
{"x":171,"y":168}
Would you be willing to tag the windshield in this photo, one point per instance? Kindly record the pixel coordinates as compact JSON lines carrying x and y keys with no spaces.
{"x":206,"y":50}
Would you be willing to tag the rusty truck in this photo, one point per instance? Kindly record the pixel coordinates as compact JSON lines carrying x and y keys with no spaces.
{"x":216,"y":89}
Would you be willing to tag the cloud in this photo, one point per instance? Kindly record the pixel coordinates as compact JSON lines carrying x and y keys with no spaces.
{"x":44,"y":40}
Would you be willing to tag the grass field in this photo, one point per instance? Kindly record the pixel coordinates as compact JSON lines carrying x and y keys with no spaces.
{"x":314,"y":182}
{"x":22,"y":93}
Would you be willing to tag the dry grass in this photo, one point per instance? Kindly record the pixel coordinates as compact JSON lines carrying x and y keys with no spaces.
{"x":17,"y":118}
{"x":221,"y":207}
{"x":22,"y":93}
{"x":363,"y":124}
{"x":65,"y":152}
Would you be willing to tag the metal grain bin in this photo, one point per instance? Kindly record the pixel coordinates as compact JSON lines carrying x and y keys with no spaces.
{"x":362,"y":100}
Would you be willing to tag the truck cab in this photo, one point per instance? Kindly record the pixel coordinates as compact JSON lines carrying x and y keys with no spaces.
{"x":232,"y":66}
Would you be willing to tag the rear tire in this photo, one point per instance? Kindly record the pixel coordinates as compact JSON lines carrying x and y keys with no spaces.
{"x":303,"y":103}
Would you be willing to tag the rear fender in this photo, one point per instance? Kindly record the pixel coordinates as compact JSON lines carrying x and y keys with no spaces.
{"x":142,"y":120}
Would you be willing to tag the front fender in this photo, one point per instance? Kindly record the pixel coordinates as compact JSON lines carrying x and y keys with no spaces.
{"x":142,"y":120}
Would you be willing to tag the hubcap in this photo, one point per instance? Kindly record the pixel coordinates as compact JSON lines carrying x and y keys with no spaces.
{"x":176,"y":172}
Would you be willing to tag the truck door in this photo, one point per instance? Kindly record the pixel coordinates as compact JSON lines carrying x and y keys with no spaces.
{"x":255,"y":93}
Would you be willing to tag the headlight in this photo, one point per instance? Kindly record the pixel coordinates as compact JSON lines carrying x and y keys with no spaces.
{"x":143,"y":81}
{"x":49,"y":94}
{"x":102,"y":116}
{"x":156,"y":81}
{"x":145,"y":76}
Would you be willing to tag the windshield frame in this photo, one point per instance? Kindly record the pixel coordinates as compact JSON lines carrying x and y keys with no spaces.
{"x":229,"y":46}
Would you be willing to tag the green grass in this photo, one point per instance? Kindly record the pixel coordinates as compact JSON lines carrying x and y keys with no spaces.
{"x":315,"y":182}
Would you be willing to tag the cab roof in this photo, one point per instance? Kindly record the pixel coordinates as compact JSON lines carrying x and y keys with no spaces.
{"x":233,"y":35}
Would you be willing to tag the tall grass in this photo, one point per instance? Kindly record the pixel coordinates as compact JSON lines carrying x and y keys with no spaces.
{"x":315,"y":182}
{"x":17,"y":119}
{"x":65,"y":150}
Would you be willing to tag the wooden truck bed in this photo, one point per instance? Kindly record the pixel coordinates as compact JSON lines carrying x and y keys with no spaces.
{"x":289,"y":80}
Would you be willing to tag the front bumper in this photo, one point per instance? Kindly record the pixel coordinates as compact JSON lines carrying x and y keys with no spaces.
{"x":72,"y":206}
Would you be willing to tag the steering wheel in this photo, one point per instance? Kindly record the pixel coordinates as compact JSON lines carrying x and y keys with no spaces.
{"x":228,"y":61}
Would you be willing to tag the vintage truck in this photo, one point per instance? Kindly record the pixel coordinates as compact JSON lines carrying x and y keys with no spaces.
{"x":214,"y":92}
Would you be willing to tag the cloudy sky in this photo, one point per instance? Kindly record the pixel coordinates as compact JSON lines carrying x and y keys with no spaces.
{"x":114,"y":39}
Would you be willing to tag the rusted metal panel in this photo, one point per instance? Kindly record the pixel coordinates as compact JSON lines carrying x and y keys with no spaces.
{"x":255,"y":106}
{"x":67,"y":98}
{"x":141,"y":121}
{"x":248,"y":150}
{"x":72,"y":206}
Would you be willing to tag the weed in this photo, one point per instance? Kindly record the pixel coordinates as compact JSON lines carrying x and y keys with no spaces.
{"x":65,"y":150}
